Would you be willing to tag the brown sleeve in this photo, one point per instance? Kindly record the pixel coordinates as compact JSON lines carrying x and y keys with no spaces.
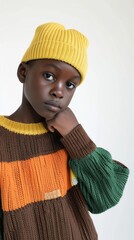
{"x":77,"y":143}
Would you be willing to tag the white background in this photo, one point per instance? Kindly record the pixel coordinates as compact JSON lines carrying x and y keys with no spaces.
{"x":104,"y":103}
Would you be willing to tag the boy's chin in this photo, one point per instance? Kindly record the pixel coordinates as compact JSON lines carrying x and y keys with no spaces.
{"x":49,"y":116}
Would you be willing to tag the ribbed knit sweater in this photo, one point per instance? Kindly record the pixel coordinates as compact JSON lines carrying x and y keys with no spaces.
{"x":39,"y":198}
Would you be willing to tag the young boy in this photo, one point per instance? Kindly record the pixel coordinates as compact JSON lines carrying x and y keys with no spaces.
{"x":51,"y":172}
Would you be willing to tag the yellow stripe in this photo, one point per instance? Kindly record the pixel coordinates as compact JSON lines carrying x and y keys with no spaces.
{"x":23,"y":128}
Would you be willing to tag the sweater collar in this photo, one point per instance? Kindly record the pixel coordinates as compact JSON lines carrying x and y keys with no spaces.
{"x":23,"y":128}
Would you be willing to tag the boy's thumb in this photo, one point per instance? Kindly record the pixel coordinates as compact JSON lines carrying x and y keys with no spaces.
{"x":49,"y":126}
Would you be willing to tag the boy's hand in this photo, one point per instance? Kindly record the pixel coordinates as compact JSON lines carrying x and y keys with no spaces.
{"x":63,"y":122}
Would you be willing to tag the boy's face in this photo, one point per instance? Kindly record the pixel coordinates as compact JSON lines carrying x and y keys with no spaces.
{"x":49,"y":85}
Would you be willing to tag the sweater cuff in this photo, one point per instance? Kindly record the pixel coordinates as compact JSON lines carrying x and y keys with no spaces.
{"x":77,"y":143}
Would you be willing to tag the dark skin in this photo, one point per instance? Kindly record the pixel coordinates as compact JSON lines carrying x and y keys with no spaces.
{"x":48,"y":87}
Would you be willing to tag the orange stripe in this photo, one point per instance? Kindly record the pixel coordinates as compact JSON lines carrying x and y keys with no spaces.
{"x":24,"y":182}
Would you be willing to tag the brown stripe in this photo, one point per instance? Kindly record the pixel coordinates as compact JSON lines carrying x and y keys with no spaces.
{"x":20,"y":147}
{"x":63,"y":218}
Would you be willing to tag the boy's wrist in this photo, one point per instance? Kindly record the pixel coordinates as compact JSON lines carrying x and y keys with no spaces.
{"x":77,"y":143}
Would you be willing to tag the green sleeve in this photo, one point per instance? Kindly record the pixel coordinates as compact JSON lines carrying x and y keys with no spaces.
{"x":1,"y":223}
{"x":101,"y":180}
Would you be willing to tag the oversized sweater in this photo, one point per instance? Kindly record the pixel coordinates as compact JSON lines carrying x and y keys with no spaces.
{"x":39,"y":198}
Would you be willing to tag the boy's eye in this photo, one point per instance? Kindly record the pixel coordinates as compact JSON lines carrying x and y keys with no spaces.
{"x":70,"y":85}
{"x":48,"y":76}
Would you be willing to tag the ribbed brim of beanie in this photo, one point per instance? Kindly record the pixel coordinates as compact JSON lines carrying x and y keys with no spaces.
{"x":53,"y":41}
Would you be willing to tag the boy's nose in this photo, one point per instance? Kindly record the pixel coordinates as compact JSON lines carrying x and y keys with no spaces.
{"x":57,"y":91}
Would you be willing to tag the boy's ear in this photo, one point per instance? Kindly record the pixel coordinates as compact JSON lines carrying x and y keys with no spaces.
{"x":22,"y":71}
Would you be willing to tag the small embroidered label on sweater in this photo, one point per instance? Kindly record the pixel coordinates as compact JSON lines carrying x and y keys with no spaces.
{"x":52,"y":195}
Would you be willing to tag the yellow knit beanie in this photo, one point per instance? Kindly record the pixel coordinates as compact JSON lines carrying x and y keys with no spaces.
{"x":53,"y":41}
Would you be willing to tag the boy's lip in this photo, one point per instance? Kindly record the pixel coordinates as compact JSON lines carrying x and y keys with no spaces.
{"x":52,"y":106}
